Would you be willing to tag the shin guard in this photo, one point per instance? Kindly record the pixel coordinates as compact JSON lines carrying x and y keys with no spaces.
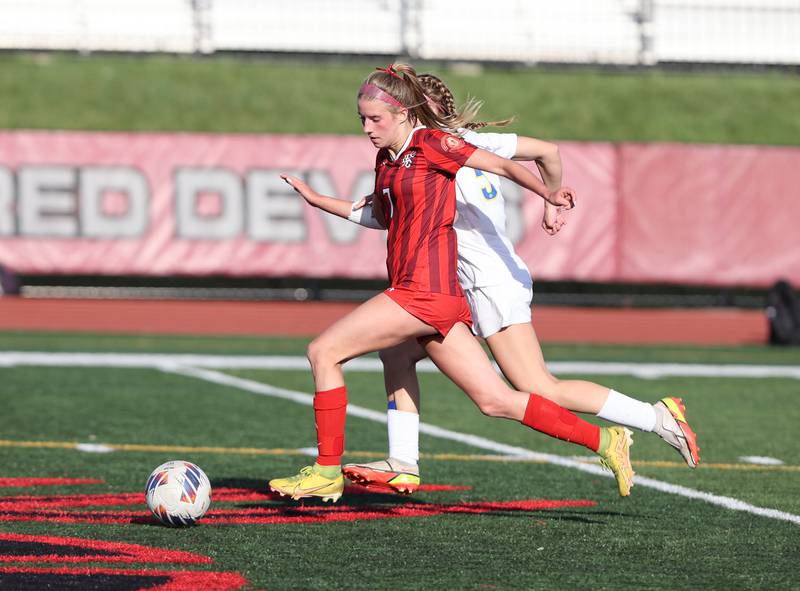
{"x":547,"y":417}
{"x":330,"y":410}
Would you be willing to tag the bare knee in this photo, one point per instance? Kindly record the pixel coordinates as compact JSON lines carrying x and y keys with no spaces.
{"x":321,"y":354}
{"x":492,"y":406}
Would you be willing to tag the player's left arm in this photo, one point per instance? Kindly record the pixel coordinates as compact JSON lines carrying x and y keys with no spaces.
{"x":488,"y":162}
{"x":545,"y":155}
{"x":548,"y":160}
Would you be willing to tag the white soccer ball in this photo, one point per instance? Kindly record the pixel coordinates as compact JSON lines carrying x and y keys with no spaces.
{"x":178,"y":493}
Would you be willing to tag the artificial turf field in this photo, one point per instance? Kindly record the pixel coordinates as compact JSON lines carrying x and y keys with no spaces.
{"x":521,"y":523}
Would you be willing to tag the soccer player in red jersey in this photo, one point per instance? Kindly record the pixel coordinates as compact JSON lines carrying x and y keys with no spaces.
{"x":414,"y":198}
{"x":498,"y":288}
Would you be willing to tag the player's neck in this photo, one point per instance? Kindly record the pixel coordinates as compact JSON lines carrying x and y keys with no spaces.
{"x":402,"y":137}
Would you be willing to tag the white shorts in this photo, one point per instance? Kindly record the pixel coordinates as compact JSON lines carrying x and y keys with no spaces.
{"x":496,"y":306}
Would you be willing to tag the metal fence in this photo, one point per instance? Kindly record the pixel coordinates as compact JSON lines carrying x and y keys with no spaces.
{"x":644,"y":32}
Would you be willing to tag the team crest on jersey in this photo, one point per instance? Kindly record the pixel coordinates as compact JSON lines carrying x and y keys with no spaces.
{"x":408,"y":159}
{"x":451,"y":143}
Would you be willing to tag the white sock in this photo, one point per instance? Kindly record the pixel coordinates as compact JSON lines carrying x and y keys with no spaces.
{"x":628,"y":411}
{"x":403,"y":435}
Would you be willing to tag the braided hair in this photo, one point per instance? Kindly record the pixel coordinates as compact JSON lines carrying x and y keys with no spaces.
{"x":441,"y":96}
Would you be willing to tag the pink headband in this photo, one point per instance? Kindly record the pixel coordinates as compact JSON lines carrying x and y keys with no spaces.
{"x":372,"y":91}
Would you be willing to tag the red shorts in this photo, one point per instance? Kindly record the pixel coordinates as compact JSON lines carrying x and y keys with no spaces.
{"x":440,"y":310}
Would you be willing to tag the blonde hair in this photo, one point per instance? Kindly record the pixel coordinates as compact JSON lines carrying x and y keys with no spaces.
{"x":438,"y":92}
{"x":401,"y":82}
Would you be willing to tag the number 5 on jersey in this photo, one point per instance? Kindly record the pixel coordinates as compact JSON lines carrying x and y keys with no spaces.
{"x":487,"y":187}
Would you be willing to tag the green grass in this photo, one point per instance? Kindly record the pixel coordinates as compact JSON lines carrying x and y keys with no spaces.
{"x":227,"y":94}
{"x":651,"y":540}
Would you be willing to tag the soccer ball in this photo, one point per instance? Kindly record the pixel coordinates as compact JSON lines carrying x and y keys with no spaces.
{"x":178,"y":493}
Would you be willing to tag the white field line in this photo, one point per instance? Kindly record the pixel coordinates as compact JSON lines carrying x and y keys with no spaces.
{"x":179,"y":363}
{"x":276,"y":362}
{"x":484,"y":443}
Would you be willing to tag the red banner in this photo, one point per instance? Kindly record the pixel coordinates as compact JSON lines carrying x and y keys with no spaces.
{"x":709,"y":214}
{"x":194,"y":204}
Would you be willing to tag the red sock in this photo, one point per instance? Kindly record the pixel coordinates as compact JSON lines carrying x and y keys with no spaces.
{"x":547,"y":417}
{"x":330,"y":410}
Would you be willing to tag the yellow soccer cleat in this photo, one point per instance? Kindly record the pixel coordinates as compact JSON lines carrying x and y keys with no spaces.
{"x":309,"y":483}
{"x":616,"y":456}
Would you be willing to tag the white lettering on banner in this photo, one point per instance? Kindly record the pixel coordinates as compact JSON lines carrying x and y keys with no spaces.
{"x":275,"y":213}
{"x":96,"y":222}
{"x":6,"y":202}
{"x":47,"y":201}
{"x":226,"y":185}
{"x":67,"y":202}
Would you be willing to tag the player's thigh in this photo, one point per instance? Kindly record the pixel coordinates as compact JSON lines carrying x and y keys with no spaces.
{"x":461,"y":358}
{"x":376,"y":324}
{"x":517,"y":351}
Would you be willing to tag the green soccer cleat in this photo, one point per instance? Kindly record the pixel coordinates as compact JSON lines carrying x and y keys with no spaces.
{"x":309,"y":483}
{"x":615,"y":456}
{"x":390,"y":475}
{"x":672,"y":427}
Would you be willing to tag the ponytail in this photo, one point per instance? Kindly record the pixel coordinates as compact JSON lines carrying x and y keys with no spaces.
{"x":438,"y":92}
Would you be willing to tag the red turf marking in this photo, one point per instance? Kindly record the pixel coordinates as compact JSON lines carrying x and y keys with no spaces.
{"x":121,"y":552}
{"x":28,"y":482}
{"x":59,"y":508}
{"x":322,"y":514}
{"x":28,"y":502}
{"x":272,"y":514}
{"x":178,"y":580}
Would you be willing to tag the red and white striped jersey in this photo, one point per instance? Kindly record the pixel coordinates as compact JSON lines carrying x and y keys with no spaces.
{"x":417,"y":192}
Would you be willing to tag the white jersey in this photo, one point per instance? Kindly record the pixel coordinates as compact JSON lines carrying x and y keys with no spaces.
{"x":485,"y":254}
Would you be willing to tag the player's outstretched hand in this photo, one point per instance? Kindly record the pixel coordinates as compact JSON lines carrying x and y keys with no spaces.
{"x":301,"y":187}
{"x":563,"y":197}
{"x":553,"y":219}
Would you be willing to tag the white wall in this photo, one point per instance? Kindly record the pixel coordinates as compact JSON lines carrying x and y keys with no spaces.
{"x":533,"y":31}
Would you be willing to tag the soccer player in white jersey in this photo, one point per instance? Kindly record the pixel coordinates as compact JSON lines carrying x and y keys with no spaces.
{"x":498,"y":287}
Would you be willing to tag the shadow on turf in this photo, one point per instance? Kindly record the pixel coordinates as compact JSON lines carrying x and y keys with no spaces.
{"x":355,"y":496}
{"x":379,"y":502}
{"x":590,"y":518}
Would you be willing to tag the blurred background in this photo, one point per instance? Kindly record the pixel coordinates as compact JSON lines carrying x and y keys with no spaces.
{"x":141,"y":141}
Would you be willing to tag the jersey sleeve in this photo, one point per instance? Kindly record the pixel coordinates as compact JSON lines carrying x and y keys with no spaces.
{"x":446,"y":152}
{"x":502,"y":144}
